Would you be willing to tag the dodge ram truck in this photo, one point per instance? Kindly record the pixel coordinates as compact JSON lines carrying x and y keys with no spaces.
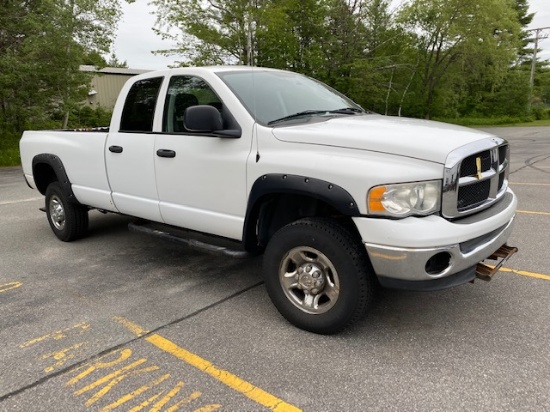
{"x":338,"y":199}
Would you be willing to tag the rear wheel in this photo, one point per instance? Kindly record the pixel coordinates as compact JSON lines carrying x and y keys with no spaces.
{"x":69,"y":221}
{"x":318,"y":275}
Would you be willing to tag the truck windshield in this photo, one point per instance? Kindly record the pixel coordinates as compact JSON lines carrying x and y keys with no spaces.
{"x":274,"y":97}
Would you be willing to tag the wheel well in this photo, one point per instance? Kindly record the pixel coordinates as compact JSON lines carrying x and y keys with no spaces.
{"x":43,"y":175}
{"x":48,"y":168}
{"x":274,"y":211}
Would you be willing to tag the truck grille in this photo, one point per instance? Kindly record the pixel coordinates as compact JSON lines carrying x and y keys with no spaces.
{"x":476,"y":176}
{"x":473,"y":194}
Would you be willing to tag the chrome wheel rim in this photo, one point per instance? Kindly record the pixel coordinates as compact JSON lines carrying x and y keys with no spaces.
{"x":57,"y":212}
{"x":309,"y":280}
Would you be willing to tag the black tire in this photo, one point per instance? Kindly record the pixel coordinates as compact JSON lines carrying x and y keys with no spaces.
{"x":318,"y":275}
{"x":69,"y":221}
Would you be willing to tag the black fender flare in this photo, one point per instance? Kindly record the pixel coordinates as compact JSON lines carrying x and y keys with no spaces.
{"x":61,"y":175}
{"x":276,"y":183}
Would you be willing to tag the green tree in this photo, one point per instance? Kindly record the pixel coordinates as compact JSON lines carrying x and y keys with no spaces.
{"x":524,"y":18}
{"x":213,"y":32}
{"x":345,"y":42}
{"x":115,"y":62}
{"x":275,"y":33}
{"x":383,"y":73}
{"x":462,"y":37}
{"x":42,"y":44}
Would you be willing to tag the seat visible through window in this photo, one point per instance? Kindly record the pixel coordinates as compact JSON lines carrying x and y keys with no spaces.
{"x":182,"y":102}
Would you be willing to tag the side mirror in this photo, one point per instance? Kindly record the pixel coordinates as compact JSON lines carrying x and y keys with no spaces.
{"x":202,"y":119}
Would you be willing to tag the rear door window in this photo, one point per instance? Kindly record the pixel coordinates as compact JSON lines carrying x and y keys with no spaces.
{"x":139,"y":109}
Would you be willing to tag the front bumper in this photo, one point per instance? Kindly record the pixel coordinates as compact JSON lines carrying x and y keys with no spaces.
{"x":405,"y":250}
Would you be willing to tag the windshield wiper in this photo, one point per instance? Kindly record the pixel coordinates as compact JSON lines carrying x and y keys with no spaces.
{"x":346,"y":110}
{"x":297,"y":115}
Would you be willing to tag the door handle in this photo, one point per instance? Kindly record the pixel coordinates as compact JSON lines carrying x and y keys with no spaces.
{"x":166,"y":153}
{"x":115,"y":149}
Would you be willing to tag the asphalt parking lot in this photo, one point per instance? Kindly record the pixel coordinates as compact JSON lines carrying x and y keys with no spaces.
{"x":119,"y":321}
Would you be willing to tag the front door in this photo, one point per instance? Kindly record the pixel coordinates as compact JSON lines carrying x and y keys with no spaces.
{"x":201,"y":180}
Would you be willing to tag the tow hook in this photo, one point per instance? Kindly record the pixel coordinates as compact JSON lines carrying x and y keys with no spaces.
{"x":486,"y":272}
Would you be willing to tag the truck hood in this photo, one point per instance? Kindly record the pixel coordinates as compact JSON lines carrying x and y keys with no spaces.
{"x":420,"y":139}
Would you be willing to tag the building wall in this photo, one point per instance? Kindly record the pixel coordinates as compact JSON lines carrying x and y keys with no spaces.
{"x":104,"y":89}
{"x":106,"y":84}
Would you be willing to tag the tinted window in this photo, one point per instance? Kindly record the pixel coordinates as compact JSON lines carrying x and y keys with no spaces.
{"x":139,"y":109}
{"x":184,"y":92}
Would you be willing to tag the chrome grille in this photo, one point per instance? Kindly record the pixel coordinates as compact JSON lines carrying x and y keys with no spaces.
{"x":469,"y":165}
{"x":473,"y":194}
{"x":476,"y":176}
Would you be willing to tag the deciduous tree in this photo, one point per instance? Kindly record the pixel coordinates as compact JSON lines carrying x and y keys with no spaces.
{"x":42,"y":44}
{"x":461,"y":35}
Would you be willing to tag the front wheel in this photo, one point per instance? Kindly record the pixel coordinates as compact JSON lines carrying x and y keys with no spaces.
{"x":69,"y":221}
{"x":318,"y":275}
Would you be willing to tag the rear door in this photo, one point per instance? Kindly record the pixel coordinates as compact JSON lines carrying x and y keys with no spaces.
{"x":129,"y":153}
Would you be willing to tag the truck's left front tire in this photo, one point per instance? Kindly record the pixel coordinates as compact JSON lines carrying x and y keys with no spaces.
{"x":318,"y":275}
{"x":69,"y":221}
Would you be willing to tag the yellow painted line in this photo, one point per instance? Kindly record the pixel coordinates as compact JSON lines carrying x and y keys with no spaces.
{"x":9,"y":286}
{"x":61,"y":356}
{"x":131,"y":326}
{"x":234,"y":382}
{"x":57,"y":335}
{"x":525,"y":273}
{"x":529,"y":212}
{"x":133,"y":394}
{"x":227,"y":378}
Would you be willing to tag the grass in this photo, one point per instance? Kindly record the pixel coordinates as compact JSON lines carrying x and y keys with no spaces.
{"x":497,"y":122}
{"x":486,"y":121}
{"x":533,"y":123}
{"x":9,"y":151}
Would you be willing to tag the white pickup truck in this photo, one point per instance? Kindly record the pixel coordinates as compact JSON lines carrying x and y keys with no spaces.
{"x":338,"y":199}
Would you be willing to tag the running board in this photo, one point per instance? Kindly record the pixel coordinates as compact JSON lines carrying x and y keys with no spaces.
{"x":486,"y":272}
{"x":192,"y":243}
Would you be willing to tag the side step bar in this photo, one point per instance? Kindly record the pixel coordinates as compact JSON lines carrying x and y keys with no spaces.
{"x":192,"y":243}
{"x":486,"y":272}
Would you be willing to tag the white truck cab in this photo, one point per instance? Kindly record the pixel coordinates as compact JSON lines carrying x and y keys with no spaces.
{"x":337,"y":198}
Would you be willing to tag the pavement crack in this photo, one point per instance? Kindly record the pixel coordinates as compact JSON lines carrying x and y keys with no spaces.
{"x":199,"y":311}
{"x":89,"y":359}
{"x":530,"y":163}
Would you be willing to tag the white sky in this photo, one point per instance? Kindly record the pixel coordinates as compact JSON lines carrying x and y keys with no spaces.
{"x":136,"y":40}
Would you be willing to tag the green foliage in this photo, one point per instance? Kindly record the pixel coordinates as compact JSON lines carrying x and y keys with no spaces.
{"x":540,"y":113}
{"x":445,"y":58}
{"x":524,"y":18}
{"x":86,"y":117}
{"x":9,"y":149}
{"x":459,"y":41}
{"x":487,"y":121}
{"x":42,"y":44}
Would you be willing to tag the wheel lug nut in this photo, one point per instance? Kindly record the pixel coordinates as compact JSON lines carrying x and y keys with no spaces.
{"x":300,"y":270}
{"x":316,"y":274}
{"x":308,"y":268}
{"x":314,"y":291}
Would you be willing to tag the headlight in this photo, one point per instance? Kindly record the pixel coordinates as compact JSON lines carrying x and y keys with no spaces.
{"x":406,"y":199}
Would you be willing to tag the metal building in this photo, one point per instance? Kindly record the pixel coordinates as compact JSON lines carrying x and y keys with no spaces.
{"x":106,"y":84}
